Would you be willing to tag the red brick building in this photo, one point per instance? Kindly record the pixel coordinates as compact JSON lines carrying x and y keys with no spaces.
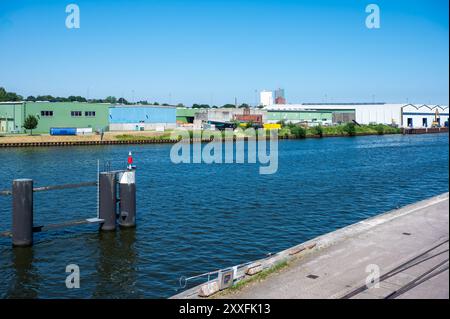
{"x":247,"y":117}
{"x":280,"y":100}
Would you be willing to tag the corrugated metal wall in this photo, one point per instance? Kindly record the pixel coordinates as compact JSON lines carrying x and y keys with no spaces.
{"x":298,"y":115}
{"x":11,"y":117}
{"x":142,"y":114}
{"x":96,"y":118}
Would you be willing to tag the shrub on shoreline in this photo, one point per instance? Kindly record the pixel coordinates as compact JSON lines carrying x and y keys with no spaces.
{"x":350,"y":129}
{"x":318,"y":130}
{"x":298,"y":131}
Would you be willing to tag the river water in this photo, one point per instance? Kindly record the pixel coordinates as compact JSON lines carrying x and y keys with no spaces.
{"x":195,"y":218}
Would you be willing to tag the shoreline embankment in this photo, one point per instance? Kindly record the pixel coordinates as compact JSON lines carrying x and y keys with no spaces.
{"x":119,"y":138}
{"x":405,"y":249}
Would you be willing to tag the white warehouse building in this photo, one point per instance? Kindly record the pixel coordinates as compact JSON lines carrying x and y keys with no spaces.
{"x":265,"y":98}
{"x":403,"y":115}
{"x":424,"y":115}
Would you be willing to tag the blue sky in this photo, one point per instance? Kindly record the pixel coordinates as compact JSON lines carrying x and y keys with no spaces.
{"x":213,"y":51}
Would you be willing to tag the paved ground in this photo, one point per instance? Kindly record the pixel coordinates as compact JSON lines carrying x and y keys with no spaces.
{"x":108,"y":136}
{"x":409,"y":248}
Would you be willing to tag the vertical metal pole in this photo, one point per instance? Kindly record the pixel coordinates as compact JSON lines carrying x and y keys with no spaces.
{"x":98,"y":189}
{"x":22,"y":219}
{"x":127,"y":191}
{"x":108,"y":200}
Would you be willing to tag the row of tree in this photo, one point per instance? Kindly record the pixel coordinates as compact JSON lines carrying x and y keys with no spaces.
{"x":203,"y":106}
{"x":73,"y":98}
{"x":9,"y":96}
{"x":13,"y":97}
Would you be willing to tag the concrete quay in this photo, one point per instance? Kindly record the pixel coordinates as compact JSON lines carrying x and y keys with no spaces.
{"x":400,"y":254}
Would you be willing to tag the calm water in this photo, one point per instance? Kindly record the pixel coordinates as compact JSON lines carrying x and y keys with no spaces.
{"x":197,"y":218}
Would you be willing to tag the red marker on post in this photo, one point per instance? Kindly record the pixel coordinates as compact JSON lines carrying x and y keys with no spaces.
{"x":130,"y":161}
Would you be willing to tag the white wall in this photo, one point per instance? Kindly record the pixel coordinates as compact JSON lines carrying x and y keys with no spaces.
{"x":418,"y":112}
{"x":380,"y":113}
{"x":265,"y":98}
{"x":147,"y":126}
{"x":227,"y":114}
{"x":364,"y":114}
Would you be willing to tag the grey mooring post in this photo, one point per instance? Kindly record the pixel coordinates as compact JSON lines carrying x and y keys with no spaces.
{"x":127,"y":204}
{"x":108,"y":200}
{"x":22,"y":219}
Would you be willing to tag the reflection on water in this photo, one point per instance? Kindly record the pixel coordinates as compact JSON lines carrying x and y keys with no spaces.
{"x":197,"y":218}
{"x":116,"y":265}
{"x":114,"y":260}
{"x":26,"y":278}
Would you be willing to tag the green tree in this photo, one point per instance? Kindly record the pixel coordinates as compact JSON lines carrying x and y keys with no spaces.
{"x":350,"y":129}
{"x":249,"y":124}
{"x":60,"y":99}
{"x":30,"y":123}
{"x":111,"y":100}
{"x":76,"y":98}
{"x":298,"y":131}
{"x":380,"y":129}
{"x":236,"y":123}
{"x":318,"y":130}
{"x":290,"y":125}
{"x":45,"y":98}
{"x":122,"y":101}
{"x":9,"y":96}
{"x":200,"y":106}
{"x":282,"y":123}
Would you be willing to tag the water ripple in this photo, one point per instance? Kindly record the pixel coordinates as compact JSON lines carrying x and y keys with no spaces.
{"x":198,"y":218}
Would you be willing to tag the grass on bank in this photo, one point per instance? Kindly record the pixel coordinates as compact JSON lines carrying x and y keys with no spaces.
{"x":258,"y":277}
{"x":129,"y":137}
{"x":290,"y":130}
{"x":349,"y":129}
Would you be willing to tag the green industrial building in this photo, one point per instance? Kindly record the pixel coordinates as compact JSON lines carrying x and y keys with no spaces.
{"x":97,"y":115}
{"x":274,"y":115}
{"x":11,"y":117}
{"x":310,"y":115}
{"x":186,"y":114}
{"x":53,"y":115}
{"x":299,"y":116}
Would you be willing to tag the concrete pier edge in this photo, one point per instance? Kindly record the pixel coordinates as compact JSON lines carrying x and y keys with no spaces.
{"x":324,"y":241}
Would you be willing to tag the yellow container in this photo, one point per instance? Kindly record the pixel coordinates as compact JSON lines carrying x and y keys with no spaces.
{"x":272,"y":126}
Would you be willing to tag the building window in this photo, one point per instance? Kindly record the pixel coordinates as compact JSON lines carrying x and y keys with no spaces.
{"x":46,"y":113}
{"x":89,"y":113}
{"x":75,"y":113}
{"x":424,"y":122}
{"x":410,"y":122}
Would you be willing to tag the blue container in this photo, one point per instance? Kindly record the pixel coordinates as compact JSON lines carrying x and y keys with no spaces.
{"x":63,"y":131}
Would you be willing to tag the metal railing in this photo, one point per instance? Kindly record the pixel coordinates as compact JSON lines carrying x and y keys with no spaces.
{"x":53,"y":187}
{"x":107,"y":185}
